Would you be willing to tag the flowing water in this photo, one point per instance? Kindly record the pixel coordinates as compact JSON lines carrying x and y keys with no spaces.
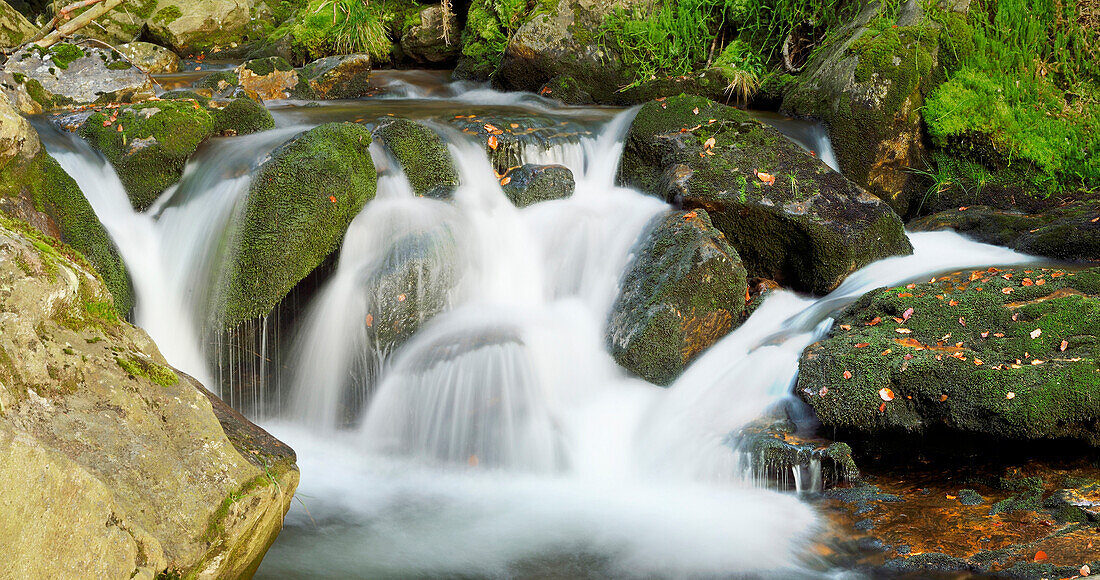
{"x":496,"y":437}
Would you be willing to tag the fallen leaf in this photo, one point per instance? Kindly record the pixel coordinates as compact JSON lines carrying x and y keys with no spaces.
{"x":943,"y":398}
{"x":902,"y":330}
{"x":845,"y":326}
{"x":709,"y":143}
{"x":999,"y":334}
{"x":985,"y":334}
{"x":824,"y":391}
{"x":962,"y":321}
{"x":847,"y":375}
{"x":514,"y":125}
{"x":1040,"y":556}
{"x":766,"y":178}
{"x":874,"y":321}
{"x":370,"y":320}
{"x":1026,"y":282}
{"x":1010,"y":395}
{"x":978,"y":362}
{"x":332,"y":198}
{"x":1036,"y":333}
{"x":1037,"y":362}
{"x":695,"y":111}
{"x":886,"y":394}
{"x":908,"y":357}
{"x":1085,"y":570}
{"x":490,"y":128}
{"x":905,"y":295}
{"x":907,"y":314}
{"x":1007,"y":290}
{"x":1040,"y":282}
{"x":885,"y":352}
{"x":690,"y":215}
{"x":400,"y":297}
{"x":1062,"y":347}
{"x":952,"y":303}
{"x":493,"y":142}
{"x":882,"y":408}
{"x":866,"y":344}
{"x":506,"y":181}
{"x":899,"y":320}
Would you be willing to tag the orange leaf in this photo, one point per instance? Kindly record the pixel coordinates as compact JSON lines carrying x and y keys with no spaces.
{"x":490,"y":128}
{"x":1040,"y":556}
{"x":907,"y":314}
{"x":952,"y":303}
{"x":709,"y":143}
{"x":766,"y":178}
{"x":865,"y":344}
{"x":943,"y":398}
{"x":332,"y":198}
{"x":882,"y":408}
{"x":847,"y":375}
{"x":690,"y":215}
{"x":506,"y":181}
{"x":493,"y":142}
{"x":1062,"y":347}
{"x":1026,"y":282}
{"x":370,"y":320}
{"x":886,"y":394}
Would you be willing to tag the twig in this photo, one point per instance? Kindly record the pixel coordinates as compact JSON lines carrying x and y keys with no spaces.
{"x":68,"y":28}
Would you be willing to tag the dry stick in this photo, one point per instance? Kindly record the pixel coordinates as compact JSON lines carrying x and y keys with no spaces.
{"x":77,"y":23}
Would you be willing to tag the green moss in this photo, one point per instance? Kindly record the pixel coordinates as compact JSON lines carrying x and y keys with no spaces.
{"x":243,"y":116}
{"x":299,"y":206}
{"x":141,"y":367}
{"x":167,"y":15}
{"x":216,"y":81}
{"x":329,"y":27}
{"x":51,"y":191}
{"x":265,"y":66}
{"x":423,"y":155}
{"x":64,"y":54}
{"x":489,"y":25}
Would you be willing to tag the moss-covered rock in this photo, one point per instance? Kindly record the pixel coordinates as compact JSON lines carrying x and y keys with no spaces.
{"x":149,"y":143}
{"x":299,"y":206}
{"x":268,"y":78}
{"x":790,"y":217}
{"x":338,"y":77}
{"x":868,"y":84}
{"x":14,"y":27}
{"x":243,"y":116}
{"x":219,"y":81}
{"x":72,"y":74}
{"x":133,"y":473}
{"x":684,"y":290}
{"x":423,"y":155}
{"x":514,"y":140}
{"x":434,"y":39}
{"x":772,"y":451}
{"x":1070,"y":232}
{"x":1007,"y":354}
{"x":531,"y":183}
{"x":196,"y":26}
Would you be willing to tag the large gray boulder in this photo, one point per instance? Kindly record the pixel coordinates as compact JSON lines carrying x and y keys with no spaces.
{"x":150,"y":58}
{"x":71,"y":74}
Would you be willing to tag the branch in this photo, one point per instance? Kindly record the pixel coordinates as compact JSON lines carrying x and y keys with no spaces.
{"x":68,"y":28}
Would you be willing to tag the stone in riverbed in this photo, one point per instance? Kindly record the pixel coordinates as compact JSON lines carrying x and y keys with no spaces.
{"x":534,"y":183}
{"x":423,"y":155}
{"x":790,"y":217}
{"x":269,"y":78}
{"x":72,"y":74}
{"x":338,"y":77}
{"x":150,"y":58}
{"x":682,"y":292}
{"x":435,"y":39}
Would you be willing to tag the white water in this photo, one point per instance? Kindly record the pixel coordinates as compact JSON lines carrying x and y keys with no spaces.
{"x":502,"y":439}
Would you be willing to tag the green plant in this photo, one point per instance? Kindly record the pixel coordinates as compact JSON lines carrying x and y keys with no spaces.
{"x":743,"y":69}
{"x":327,"y":27}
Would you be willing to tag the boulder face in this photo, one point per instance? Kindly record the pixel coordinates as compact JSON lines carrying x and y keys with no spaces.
{"x":435,"y":39}
{"x":193,"y":26}
{"x":69,"y":74}
{"x":150,"y":58}
{"x":532,"y":183}
{"x":868,"y":85}
{"x":790,"y":217}
{"x":1006,"y":354}
{"x":299,"y":206}
{"x":1070,"y":232}
{"x":682,"y":292}
{"x":18,"y":89}
{"x":423,"y":155}
{"x":18,"y":140}
{"x":133,"y":474}
{"x":14,"y":27}
{"x":338,"y":77}
{"x":268,"y":78}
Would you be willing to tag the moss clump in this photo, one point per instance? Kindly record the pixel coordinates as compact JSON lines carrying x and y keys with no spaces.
{"x":141,"y":367}
{"x":243,"y":116}
{"x":219,"y":80}
{"x":1010,"y":354}
{"x":51,"y":191}
{"x":265,"y":66}
{"x":489,"y":25}
{"x":167,"y":15}
{"x":329,"y":27}
{"x":62,"y":55}
{"x":299,"y":206}
{"x":423,"y":155}
{"x":153,"y":145}
{"x":684,"y":290}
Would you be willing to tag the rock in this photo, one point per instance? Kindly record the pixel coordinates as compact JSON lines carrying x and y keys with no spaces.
{"x":683,"y":291}
{"x":435,"y":39}
{"x":112,"y":464}
{"x":338,"y":77}
{"x":35,"y":189}
{"x":970,"y":497}
{"x":772,"y":451}
{"x":423,"y":155}
{"x":531,"y":183}
{"x":242,"y":116}
{"x":150,"y":58}
{"x":790,"y":217}
{"x":70,"y":74}
{"x":152,"y":148}
{"x":514,"y":140}
{"x":220,"y":82}
{"x":17,"y":89}
{"x":300,"y":203}
{"x":268,"y":78}
{"x":1010,"y":355}
{"x":195,"y":26}
{"x":1070,"y":232}
{"x":14,"y":27}
{"x":868,"y":84}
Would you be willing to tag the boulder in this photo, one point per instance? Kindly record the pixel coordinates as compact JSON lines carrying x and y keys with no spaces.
{"x":195,"y":26}
{"x":434,"y":39}
{"x":150,"y":58}
{"x":338,"y":77}
{"x":35,"y":189}
{"x":1004,"y":354}
{"x":683,"y":291}
{"x":15,"y":29}
{"x":18,"y":88}
{"x":112,"y":464}
{"x":1070,"y":232}
{"x":531,"y":183}
{"x":242,"y":116}
{"x":268,"y":78}
{"x":514,"y":140}
{"x":71,"y":74}
{"x":790,"y":217}
{"x":300,"y":203}
{"x":868,"y":84}
{"x":423,"y":155}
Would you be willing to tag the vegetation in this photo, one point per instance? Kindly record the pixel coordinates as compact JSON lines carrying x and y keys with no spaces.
{"x":489,"y":26}
{"x":327,"y":27}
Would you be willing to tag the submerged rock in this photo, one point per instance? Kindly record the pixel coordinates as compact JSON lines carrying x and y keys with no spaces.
{"x":531,"y":183}
{"x":514,"y":140}
{"x":1070,"y":232}
{"x":338,"y":77}
{"x":435,"y":38}
{"x":150,"y":58}
{"x":790,"y":217}
{"x":72,"y":74}
{"x":113,"y":464}
{"x":300,"y":203}
{"x":1010,"y":355}
{"x":422,"y":154}
{"x":684,"y":290}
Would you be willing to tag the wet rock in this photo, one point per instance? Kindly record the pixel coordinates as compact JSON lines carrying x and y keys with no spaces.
{"x":790,"y":217}
{"x":970,"y":497}
{"x":14,"y":27}
{"x":435,"y":38}
{"x":682,"y":292}
{"x":1009,"y":355}
{"x":300,"y":203}
{"x":242,"y":116}
{"x":221,"y":82}
{"x":422,"y":154}
{"x":774,"y":452}
{"x":149,"y":143}
{"x":150,"y":58}
{"x":18,"y":140}
{"x":1070,"y":232}
{"x":71,"y":74}
{"x":133,"y":473}
{"x":18,"y":89}
{"x":868,"y":83}
{"x":531,"y":183}
{"x":338,"y":77}
{"x":269,"y":78}
{"x":512,"y":141}
{"x":195,"y":26}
